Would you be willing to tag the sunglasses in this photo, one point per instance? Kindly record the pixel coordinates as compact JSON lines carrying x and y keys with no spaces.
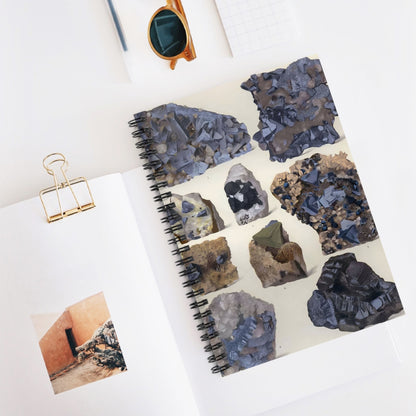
{"x":169,"y":34}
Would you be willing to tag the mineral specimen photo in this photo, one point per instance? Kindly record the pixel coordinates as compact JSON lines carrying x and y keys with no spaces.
{"x":80,"y":345}
{"x":183,"y":142}
{"x":325,"y":192}
{"x":246,"y":198}
{"x":212,"y":265}
{"x":351,"y":296}
{"x":197,"y":216}
{"x":274,"y":258}
{"x":246,"y":326}
{"x":296,"y":109}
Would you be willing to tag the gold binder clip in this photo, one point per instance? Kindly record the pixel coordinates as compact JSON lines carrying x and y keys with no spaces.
{"x":65,"y":193}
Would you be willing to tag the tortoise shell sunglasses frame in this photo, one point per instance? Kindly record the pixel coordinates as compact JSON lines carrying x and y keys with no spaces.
{"x":172,"y":15}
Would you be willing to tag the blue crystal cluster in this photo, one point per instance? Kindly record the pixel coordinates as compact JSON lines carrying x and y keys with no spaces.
{"x":325,"y":192}
{"x":244,"y":349}
{"x":351,"y":296}
{"x":187,"y":141}
{"x":246,"y":327}
{"x":296,"y":109}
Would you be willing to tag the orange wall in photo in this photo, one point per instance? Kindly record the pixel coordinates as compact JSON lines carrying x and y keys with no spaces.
{"x":87,"y":316}
{"x":82,"y":319}
{"x":54,"y":345}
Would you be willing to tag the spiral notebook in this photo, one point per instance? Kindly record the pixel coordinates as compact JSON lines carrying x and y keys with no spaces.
{"x":275,"y":233}
{"x":234,"y":263}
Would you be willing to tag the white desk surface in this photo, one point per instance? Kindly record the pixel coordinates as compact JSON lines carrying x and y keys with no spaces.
{"x":64,"y":88}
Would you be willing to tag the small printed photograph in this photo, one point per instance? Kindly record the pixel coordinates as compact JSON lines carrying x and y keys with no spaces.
{"x":79,"y":344}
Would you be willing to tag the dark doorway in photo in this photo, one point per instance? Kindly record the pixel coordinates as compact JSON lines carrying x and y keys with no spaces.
{"x":71,"y":341}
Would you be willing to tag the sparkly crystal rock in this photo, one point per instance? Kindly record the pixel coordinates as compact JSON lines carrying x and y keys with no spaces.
{"x":325,"y":192}
{"x":296,"y":109}
{"x":184,"y":142}
{"x":351,"y":296}
{"x":247,"y":328}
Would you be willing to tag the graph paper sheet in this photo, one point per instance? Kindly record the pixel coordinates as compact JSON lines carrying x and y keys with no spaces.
{"x":252,"y":25}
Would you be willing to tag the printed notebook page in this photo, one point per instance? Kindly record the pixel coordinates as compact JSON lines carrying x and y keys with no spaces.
{"x":252,"y":25}
{"x":277,"y":238}
{"x":58,"y":283}
{"x":265,"y":386}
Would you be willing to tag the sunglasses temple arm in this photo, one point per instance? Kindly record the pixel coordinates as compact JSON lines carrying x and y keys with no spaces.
{"x":173,"y":63}
{"x":178,"y":5}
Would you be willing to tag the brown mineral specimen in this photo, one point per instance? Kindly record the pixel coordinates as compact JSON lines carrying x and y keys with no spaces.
{"x":212,"y":261}
{"x":325,"y":192}
{"x":276,"y":260}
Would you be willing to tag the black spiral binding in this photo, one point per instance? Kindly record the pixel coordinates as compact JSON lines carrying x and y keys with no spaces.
{"x":207,"y":323}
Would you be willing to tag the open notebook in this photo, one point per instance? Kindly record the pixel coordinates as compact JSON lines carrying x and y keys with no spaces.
{"x":114,"y":261}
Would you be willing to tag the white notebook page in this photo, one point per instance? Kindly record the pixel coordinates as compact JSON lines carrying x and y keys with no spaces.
{"x":46,"y":267}
{"x":275,"y":383}
{"x":252,"y":25}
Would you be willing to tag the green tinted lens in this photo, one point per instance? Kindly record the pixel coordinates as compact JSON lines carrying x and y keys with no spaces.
{"x":167,"y":34}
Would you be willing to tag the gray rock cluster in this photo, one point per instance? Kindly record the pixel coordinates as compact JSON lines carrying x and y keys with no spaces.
{"x":351,"y":296}
{"x":325,"y":192}
{"x":296,"y":109}
{"x":247,"y":328}
{"x":186,"y":141}
{"x":110,"y":356}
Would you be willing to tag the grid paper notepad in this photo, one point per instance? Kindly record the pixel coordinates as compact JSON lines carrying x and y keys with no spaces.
{"x":252,"y":25}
